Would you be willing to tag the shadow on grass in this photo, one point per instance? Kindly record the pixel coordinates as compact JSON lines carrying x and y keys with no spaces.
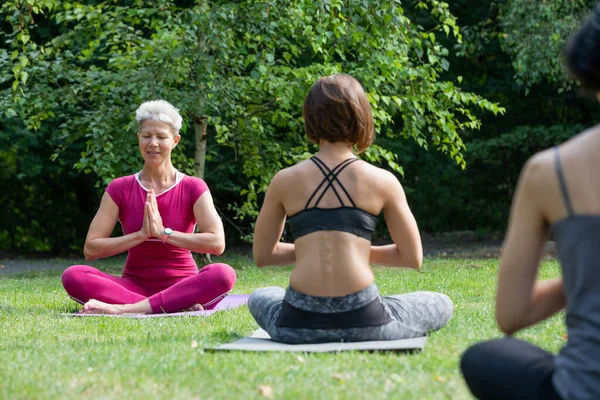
{"x":51,"y":273}
{"x":33,"y":274}
{"x":37,"y":311}
{"x":9,"y":310}
{"x":222,"y":337}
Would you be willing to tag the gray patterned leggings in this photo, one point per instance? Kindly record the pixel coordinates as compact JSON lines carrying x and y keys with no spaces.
{"x":408,"y":315}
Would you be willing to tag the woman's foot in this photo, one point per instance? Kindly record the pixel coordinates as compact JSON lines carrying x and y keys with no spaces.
{"x":143,"y":307}
{"x":196,"y":307}
{"x":99,"y":307}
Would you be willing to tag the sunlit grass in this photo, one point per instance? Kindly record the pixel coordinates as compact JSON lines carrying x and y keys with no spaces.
{"x":45,"y":356}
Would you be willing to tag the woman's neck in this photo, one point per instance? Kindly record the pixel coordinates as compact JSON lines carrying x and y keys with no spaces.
{"x":335,"y":150}
{"x":158,"y":178}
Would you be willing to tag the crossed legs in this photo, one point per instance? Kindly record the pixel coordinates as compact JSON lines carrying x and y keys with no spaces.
{"x":509,"y":368}
{"x":104,"y":293}
{"x":413,"y":315}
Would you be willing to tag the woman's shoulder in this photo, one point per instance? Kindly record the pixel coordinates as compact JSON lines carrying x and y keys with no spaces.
{"x":123,"y":181}
{"x":286,"y":175}
{"x":194,"y":184}
{"x":572,"y":151}
{"x":373,"y":169}
{"x":377,"y":176}
{"x":192,"y":180}
{"x":119,"y":187}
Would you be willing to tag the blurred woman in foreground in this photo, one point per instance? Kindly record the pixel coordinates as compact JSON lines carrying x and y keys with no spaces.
{"x":559,"y":194}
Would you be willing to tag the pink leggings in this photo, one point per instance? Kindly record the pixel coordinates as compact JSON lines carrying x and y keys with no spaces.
{"x":208,"y":288}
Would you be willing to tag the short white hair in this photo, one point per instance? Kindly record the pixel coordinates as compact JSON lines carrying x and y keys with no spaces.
{"x":159,"y":110}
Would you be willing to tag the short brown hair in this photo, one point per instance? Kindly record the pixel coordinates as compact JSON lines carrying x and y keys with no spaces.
{"x":336,"y":109}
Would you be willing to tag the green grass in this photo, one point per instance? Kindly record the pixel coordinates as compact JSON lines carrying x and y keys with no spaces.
{"x":45,"y":356}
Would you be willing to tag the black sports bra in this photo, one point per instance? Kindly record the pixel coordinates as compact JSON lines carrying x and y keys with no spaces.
{"x":346,"y":219}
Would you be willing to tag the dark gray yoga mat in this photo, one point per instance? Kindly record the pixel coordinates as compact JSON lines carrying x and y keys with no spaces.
{"x":261,"y":341}
{"x":229,"y":302}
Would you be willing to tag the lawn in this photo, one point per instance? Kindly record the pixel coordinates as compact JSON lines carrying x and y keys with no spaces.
{"x":45,"y":356}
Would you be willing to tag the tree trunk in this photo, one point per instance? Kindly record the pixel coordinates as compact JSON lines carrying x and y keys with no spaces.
{"x":199,"y":165}
{"x":200,"y":142}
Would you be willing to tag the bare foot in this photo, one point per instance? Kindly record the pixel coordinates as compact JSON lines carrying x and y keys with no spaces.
{"x":99,"y":307}
{"x":196,"y":307}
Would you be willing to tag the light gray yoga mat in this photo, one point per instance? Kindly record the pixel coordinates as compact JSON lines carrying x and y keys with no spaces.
{"x":228,"y":303}
{"x":261,"y":341}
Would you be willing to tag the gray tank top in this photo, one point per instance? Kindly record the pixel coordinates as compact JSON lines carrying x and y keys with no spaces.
{"x":577,"y":374}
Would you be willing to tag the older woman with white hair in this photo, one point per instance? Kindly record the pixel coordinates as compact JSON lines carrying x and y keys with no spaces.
{"x":158,"y":209}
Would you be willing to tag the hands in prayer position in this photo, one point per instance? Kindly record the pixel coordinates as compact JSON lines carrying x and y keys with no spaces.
{"x":153,"y":224}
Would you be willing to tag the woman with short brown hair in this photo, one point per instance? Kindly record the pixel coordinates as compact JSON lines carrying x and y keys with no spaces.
{"x":331,"y":202}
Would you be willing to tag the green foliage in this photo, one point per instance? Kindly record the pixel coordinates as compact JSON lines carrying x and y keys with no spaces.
{"x":537,"y":117}
{"x":45,"y":206}
{"x":532,"y":33}
{"x":478,"y":198}
{"x":82,"y":68}
{"x":72,"y":74}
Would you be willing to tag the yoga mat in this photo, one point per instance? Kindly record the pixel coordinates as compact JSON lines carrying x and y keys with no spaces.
{"x":228,"y":303}
{"x":261,"y":341}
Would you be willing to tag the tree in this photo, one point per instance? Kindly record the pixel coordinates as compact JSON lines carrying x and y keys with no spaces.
{"x":532,"y":33}
{"x":238,"y":70}
{"x":537,"y":116}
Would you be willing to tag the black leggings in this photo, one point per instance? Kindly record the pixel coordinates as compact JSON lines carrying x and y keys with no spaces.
{"x":509,"y":369}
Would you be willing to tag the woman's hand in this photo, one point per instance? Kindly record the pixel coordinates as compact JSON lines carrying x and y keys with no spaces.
{"x":146,"y":227}
{"x":155,"y":220}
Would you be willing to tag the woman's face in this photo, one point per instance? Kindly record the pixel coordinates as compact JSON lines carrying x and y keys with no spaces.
{"x":156,"y":140}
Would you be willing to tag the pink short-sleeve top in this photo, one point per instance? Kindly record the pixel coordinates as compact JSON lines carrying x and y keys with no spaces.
{"x":154,"y":260}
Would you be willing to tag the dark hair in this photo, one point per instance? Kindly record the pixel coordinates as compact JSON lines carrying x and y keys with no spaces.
{"x":336,"y":109}
{"x":583,"y":53}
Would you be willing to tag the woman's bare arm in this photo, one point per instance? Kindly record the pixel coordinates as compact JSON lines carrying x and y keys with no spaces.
{"x":407,"y":250}
{"x":520,"y":301}
{"x":267,"y":249}
{"x":99,"y":244}
{"x":210,"y":239}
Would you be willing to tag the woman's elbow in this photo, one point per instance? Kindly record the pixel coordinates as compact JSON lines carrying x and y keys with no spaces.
{"x":506,"y":327}
{"x":507,"y":323}
{"x":88,"y":254}
{"x":219,"y":247}
{"x":218,"y":251}
{"x":418,"y":262}
{"x":415,"y":262}
{"x":258,"y":256}
{"x":260,"y":261}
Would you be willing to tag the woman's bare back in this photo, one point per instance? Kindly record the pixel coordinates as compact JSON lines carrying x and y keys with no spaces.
{"x":331,"y":262}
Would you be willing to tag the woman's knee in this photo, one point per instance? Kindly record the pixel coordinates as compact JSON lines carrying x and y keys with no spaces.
{"x":75,"y":281}
{"x":471,"y":359}
{"x":261,"y":299}
{"x":442,"y":308}
{"x":477,"y":365}
{"x":486,"y":356}
{"x":223,"y":276}
{"x":446,"y":306}
{"x":74,"y":274}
